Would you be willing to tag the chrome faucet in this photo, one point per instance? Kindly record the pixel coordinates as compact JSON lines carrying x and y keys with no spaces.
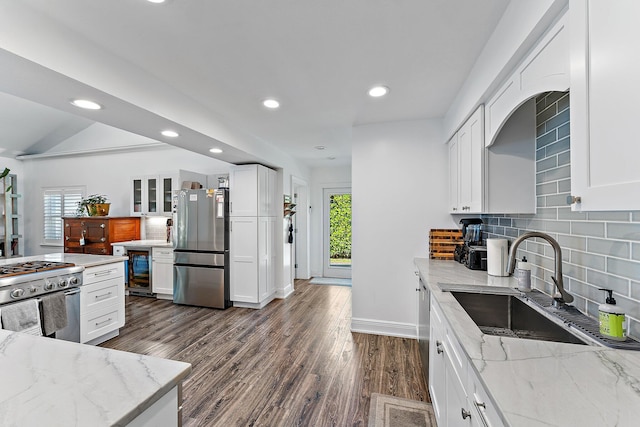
{"x":561,"y":296}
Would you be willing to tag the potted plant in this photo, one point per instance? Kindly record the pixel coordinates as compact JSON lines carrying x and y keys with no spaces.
{"x":95,"y":205}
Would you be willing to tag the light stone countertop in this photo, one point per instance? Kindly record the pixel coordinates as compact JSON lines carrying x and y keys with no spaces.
{"x":144,"y":244}
{"x":48,"y":382}
{"x":540,"y":383}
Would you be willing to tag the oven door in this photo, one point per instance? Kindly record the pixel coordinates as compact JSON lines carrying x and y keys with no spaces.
{"x":72,"y":331}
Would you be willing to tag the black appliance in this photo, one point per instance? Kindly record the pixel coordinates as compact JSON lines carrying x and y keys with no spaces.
{"x":472,"y":253}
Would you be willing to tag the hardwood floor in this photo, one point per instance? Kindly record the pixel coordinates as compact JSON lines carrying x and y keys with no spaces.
{"x":293,"y":363}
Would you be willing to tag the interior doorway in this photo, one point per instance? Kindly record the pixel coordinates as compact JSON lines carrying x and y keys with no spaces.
{"x":337,"y":232}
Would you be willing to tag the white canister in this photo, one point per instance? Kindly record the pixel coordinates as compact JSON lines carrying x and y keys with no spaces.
{"x":497,"y":256}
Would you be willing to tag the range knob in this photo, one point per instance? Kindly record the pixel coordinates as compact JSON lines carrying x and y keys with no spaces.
{"x":63,"y":283}
{"x":17,"y":293}
{"x":33,"y":289}
{"x":73,"y":280}
{"x":48,"y":286}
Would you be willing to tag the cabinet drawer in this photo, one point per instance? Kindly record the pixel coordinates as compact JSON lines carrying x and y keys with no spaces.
{"x":99,"y":295}
{"x":162,"y":253}
{"x":101,"y":322}
{"x":104,"y":272}
{"x":97,"y":249}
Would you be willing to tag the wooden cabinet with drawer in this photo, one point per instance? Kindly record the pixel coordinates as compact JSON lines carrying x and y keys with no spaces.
{"x":94,"y":235}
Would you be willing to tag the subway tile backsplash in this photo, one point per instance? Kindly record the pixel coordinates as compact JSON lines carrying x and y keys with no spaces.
{"x":600,"y":249}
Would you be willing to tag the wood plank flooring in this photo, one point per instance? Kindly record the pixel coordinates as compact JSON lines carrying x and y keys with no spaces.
{"x":293,"y":363}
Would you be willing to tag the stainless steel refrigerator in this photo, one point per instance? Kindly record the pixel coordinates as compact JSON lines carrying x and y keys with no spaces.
{"x":201,"y":248}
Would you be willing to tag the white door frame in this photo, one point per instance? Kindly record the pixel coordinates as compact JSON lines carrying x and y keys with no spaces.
{"x":300,"y":263}
{"x":327,"y":269}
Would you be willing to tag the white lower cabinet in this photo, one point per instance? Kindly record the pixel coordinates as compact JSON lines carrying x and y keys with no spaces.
{"x":457,"y":394}
{"x":252,"y":266}
{"x":101,"y":303}
{"x":162,"y":272}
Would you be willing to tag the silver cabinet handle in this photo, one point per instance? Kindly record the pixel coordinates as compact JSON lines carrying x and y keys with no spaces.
{"x":439,"y":348}
{"x":102,"y":225}
{"x":103,"y":322}
{"x":465,"y":414}
{"x":482,"y":407}
{"x":103,"y":296}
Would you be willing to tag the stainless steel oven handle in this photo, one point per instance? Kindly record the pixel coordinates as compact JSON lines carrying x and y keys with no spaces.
{"x":72,"y":291}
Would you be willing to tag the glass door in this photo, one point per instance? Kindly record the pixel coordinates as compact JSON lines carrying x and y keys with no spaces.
{"x":337,"y":232}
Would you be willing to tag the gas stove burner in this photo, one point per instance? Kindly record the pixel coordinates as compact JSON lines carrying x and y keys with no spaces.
{"x":31,"y":267}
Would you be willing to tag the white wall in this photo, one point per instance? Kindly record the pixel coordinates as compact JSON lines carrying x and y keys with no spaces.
{"x":108,"y":174}
{"x":321,"y":178}
{"x":400,"y":192}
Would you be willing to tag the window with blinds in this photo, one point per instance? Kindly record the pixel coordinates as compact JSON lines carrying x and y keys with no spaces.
{"x":59,"y":202}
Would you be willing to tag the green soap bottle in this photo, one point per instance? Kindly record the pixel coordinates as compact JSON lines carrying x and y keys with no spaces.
{"x":611,"y":317}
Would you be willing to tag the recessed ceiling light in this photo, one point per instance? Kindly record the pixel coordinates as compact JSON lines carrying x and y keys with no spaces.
{"x":378,"y":91}
{"x":271,"y":103}
{"x":215,"y":150}
{"x":170,"y":133}
{"x":319,"y":147}
{"x":86,"y":104}
{"x":156,"y":1}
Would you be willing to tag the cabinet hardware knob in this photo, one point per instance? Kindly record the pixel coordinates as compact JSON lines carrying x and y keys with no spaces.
{"x":102,"y":225}
{"x":465,"y":414}
{"x":102,"y":239}
{"x":439,"y":348}
{"x":573,"y":199}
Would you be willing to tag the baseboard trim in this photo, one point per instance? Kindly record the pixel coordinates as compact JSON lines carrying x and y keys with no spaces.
{"x":377,"y":327}
{"x":285,"y":292}
{"x":253,"y":305}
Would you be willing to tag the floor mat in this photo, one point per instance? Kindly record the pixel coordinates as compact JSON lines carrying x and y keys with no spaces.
{"x":391,"y":411}
{"x":330,"y":281}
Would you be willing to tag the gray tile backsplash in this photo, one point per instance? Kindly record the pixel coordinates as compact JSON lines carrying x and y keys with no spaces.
{"x":600,"y":249}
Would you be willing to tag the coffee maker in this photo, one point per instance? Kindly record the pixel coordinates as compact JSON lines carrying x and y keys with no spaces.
{"x":472,"y":253}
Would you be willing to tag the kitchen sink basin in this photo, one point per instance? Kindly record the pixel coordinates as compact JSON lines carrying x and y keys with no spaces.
{"x":508,"y":315}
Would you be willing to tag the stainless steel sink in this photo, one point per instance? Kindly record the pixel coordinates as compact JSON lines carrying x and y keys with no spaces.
{"x":507,"y":315}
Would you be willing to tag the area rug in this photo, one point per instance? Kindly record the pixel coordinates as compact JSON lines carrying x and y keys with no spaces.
{"x":391,"y":411}
{"x":330,"y":281}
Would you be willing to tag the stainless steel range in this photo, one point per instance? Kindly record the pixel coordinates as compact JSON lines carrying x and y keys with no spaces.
{"x":31,"y":279}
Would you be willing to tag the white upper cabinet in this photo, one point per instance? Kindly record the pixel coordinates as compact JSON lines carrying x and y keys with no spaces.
{"x":466,"y":157}
{"x":545,"y":69}
{"x":605,"y":67}
{"x":252,"y":191}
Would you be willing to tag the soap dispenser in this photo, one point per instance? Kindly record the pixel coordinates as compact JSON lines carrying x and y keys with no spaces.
{"x":611,"y":318}
{"x":523,"y":274}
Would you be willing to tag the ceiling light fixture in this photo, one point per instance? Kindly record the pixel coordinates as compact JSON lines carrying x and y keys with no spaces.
{"x":170,"y":133}
{"x":378,"y":91}
{"x":271,"y":103}
{"x":215,"y":150}
{"x":86,"y":104}
{"x":156,"y":1}
{"x":320,"y":147}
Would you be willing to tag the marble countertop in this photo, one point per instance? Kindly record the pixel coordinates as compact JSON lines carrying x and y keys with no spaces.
{"x":48,"y":382}
{"x":539,"y":383}
{"x":84,"y":260}
{"x":144,"y":244}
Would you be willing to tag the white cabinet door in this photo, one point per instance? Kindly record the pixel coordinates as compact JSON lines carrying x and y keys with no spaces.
{"x":167,"y":185}
{"x":437,"y":364}
{"x":466,"y":163}
{"x":145,"y":195}
{"x":162,"y":271}
{"x":101,"y":302}
{"x":453,"y":175}
{"x":604,"y":108}
{"x":243,"y":190}
{"x":243,"y":253}
{"x":252,"y":191}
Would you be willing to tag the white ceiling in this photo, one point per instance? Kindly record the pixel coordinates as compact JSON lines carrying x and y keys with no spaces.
{"x":318,"y":58}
